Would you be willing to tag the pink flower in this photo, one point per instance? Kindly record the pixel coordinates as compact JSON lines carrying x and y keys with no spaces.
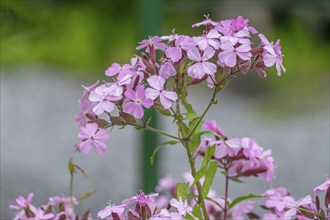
{"x":167,"y":69}
{"x":166,"y":183}
{"x":229,"y":53}
{"x":115,"y":69}
{"x":212,"y":126}
{"x":108,"y":210}
{"x":154,"y":42}
{"x":171,"y":37}
{"x":202,"y":67}
{"x":165,"y":214}
{"x":224,"y":27}
{"x":211,"y":39}
{"x":240,"y":23}
{"x":241,"y":208}
{"x":157,"y":90}
{"x":22,"y":202}
{"x":40,"y":215}
{"x":141,"y":199}
{"x":272,"y":54}
{"x":182,"y":207}
{"x":119,"y":83}
{"x":227,"y":148}
{"x":86,"y":109}
{"x":105,"y":98}
{"x":206,"y":22}
{"x":182,"y":43}
{"x":91,"y":136}
{"x":293,"y":206}
{"x":135,"y":102}
{"x":323,"y":187}
{"x":87,"y":91}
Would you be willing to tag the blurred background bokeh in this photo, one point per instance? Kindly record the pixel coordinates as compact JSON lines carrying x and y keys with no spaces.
{"x":50,"y":47}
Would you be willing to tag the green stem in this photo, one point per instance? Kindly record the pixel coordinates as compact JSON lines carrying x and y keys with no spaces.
{"x":198,"y":184}
{"x":71,"y":191}
{"x":205,"y":111}
{"x":160,"y":132}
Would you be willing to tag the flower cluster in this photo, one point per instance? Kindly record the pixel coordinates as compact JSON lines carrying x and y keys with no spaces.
{"x":242,"y":157}
{"x":58,"y":207}
{"x":223,"y":49}
{"x":277,"y":202}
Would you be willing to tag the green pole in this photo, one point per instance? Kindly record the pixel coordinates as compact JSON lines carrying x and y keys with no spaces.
{"x":150,"y":16}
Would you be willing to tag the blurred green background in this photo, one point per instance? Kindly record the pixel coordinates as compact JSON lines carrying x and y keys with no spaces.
{"x":83,"y":37}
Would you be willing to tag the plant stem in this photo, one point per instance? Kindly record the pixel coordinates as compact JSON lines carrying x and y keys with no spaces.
{"x":205,"y":111}
{"x":198,"y":184}
{"x":71,"y":191}
{"x":160,"y":132}
{"x":147,"y":127}
{"x":226,"y":194}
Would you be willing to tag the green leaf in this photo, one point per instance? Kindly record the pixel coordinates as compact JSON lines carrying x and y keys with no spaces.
{"x":209,"y":177}
{"x":71,"y":168}
{"x":152,"y":158}
{"x":242,"y":198}
{"x":193,"y":123}
{"x":235,"y":179}
{"x":207,"y":157}
{"x":191,"y":114}
{"x":86,"y":195}
{"x":200,"y":173}
{"x":194,"y":142}
{"x":185,"y":129}
{"x":197,"y":211}
{"x":182,"y":190}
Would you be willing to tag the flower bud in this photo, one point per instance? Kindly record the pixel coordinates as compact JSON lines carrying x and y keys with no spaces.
{"x":244,"y":67}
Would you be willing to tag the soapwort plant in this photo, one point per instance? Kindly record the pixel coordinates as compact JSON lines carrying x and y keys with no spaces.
{"x":160,"y":77}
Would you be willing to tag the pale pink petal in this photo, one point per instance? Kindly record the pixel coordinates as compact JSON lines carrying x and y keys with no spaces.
{"x":130,"y":94}
{"x":208,"y":53}
{"x":92,"y":128}
{"x":94,"y":97}
{"x":147,"y":103}
{"x":152,"y":93}
{"x":174,"y":53}
{"x":100,"y":147}
{"x":269,"y":60}
{"x":166,"y":103}
{"x":138,"y":112}
{"x":129,"y":107}
{"x":104,"y":213}
{"x":203,"y":43}
{"x":113,"y":69}
{"x":194,"y":54}
{"x":156,"y":82}
{"x":209,"y":68}
{"x":213,"y":34}
{"x":98,"y":109}
{"x":170,"y":95}
{"x":83,"y":133}
{"x":108,"y":106}
{"x":101,"y":135}
{"x":85,"y":146}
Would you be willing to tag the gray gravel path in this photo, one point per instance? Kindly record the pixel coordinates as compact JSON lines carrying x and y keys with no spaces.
{"x":38,"y":133}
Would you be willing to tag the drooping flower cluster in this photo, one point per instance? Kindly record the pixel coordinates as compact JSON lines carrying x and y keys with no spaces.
{"x":223,"y":49}
{"x":242,"y":157}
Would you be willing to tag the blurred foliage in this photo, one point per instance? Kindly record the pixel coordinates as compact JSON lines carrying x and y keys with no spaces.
{"x":87,"y":36}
